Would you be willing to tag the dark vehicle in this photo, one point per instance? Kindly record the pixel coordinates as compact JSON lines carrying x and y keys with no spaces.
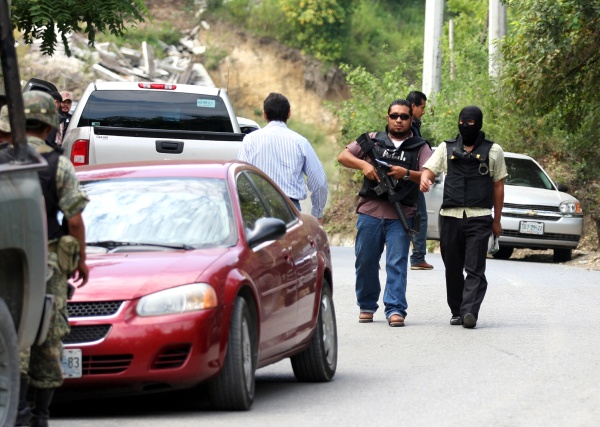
{"x":22,"y":236}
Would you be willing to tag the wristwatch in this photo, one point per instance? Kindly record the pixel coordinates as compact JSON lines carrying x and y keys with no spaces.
{"x":407,"y":176}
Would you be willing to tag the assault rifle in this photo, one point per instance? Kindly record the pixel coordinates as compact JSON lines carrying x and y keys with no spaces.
{"x":387,"y":185}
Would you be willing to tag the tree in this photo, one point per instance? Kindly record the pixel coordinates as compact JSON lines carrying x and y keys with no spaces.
{"x":552,"y":68}
{"x":319,"y":27}
{"x":364,"y":111}
{"x":51,"y":19}
{"x":553,"y":57}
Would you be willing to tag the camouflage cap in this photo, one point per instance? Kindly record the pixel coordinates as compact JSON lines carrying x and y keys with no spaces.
{"x":40,"y":106}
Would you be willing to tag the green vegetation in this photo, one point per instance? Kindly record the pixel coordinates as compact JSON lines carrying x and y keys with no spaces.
{"x":318,"y":26}
{"x":553,"y":75}
{"x":154,"y":35}
{"x":319,"y":140}
{"x":44,"y":18}
{"x":546,"y":102}
{"x":377,"y":35}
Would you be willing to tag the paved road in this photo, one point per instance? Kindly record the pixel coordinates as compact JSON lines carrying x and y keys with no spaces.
{"x":534,"y":359}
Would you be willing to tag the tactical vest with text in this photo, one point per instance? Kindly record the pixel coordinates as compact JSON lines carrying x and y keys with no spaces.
{"x":406,"y":156}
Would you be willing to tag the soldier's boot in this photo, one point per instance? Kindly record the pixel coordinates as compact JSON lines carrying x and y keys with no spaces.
{"x":24,"y":411}
{"x":40,"y":413}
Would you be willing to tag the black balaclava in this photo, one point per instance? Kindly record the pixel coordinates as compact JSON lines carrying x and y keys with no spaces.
{"x":469,"y":133}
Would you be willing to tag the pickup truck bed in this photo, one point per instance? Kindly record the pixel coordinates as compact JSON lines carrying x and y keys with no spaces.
{"x":126,"y":121}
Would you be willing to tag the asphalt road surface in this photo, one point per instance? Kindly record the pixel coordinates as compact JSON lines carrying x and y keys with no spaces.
{"x":533,"y":360}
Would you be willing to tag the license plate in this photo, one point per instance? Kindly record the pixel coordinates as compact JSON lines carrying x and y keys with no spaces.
{"x":71,"y":363}
{"x":531,"y":227}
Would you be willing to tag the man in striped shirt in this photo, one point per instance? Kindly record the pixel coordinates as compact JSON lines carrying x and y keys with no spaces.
{"x":286,"y":156}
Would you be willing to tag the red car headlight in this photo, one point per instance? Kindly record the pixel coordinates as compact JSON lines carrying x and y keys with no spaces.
{"x":182,"y":299}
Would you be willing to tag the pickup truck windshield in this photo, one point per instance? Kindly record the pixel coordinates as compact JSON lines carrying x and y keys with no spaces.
{"x":151,"y":109}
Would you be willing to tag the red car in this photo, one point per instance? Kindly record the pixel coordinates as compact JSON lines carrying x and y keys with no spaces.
{"x":199,"y":273}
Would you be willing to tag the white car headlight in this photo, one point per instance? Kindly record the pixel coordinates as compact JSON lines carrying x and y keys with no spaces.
{"x":570,"y":207}
{"x":182,"y":299}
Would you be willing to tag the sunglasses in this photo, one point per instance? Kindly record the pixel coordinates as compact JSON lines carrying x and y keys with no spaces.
{"x":395,"y":116}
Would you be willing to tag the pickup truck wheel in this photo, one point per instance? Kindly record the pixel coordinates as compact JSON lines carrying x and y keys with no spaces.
{"x":319,"y":361}
{"x":9,"y":368}
{"x":233,"y":388}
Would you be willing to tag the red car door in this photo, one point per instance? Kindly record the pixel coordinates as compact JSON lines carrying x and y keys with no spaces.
{"x":271,"y":266}
{"x":304,"y":249}
{"x":301,"y":243}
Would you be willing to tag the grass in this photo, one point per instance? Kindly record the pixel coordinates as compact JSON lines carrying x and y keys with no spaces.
{"x":326,"y":151}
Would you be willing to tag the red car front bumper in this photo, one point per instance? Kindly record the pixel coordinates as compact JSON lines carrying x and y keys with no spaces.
{"x":147,"y":353}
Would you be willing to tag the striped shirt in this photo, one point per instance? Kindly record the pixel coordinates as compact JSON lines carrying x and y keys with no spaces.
{"x":438,"y":163}
{"x":286,"y":156}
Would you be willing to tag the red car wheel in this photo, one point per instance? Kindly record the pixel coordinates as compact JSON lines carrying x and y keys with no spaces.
{"x":233,"y":388}
{"x":319,"y":361}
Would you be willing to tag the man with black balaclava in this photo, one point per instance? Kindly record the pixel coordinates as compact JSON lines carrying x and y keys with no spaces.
{"x":475,"y":172}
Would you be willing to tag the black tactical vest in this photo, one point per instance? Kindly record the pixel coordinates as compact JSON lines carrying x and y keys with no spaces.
{"x":406,"y":156}
{"x":48,"y":183}
{"x":468,"y":182}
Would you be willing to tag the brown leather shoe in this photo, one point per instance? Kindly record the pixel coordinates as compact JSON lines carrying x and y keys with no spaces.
{"x":395,"y":320}
{"x":365,"y":317}
{"x":422,"y":266}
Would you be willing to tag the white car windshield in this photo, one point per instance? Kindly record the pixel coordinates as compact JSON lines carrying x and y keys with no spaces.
{"x":184,"y":212}
{"x":525,"y":173}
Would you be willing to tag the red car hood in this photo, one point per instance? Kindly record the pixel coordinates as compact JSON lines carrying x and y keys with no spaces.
{"x":131,"y":275}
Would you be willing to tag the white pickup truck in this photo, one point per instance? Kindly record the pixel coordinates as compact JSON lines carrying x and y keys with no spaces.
{"x":136,"y":121}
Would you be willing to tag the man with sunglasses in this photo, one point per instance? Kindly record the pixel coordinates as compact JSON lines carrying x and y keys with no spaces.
{"x":378,"y":225}
{"x":474,"y":185}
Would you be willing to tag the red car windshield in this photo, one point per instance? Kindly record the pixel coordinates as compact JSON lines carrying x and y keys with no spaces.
{"x":170,"y":212}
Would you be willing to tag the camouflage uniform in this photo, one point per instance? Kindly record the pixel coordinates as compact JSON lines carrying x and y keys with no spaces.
{"x":44,"y":366}
{"x":42,"y":363}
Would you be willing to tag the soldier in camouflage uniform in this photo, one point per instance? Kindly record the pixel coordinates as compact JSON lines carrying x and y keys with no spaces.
{"x":41,"y":367}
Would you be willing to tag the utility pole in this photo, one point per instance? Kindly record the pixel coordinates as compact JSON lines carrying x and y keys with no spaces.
{"x":432,"y":59}
{"x":497,"y":30}
{"x":451,"y":46}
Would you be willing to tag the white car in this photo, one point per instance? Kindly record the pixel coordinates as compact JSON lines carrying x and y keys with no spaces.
{"x":247,"y":125}
{"x":537,"y":213}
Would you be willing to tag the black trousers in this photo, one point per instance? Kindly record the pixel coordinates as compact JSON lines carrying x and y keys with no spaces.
{"x":464,"y":243}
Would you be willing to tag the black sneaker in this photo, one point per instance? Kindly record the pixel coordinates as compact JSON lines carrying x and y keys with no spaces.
{"x":455,"y":320}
